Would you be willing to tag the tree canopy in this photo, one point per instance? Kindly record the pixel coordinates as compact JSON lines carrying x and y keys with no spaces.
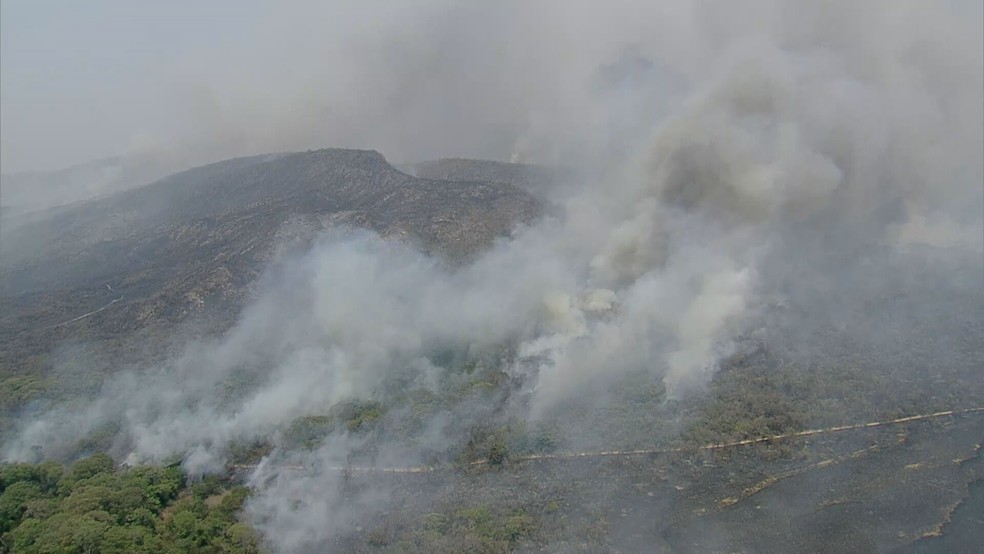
{"x":91,"y":507}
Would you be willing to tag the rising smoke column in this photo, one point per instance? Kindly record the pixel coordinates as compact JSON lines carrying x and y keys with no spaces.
{"x":714,"y":146}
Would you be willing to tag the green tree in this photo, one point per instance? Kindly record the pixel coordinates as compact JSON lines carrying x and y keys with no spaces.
{"x":94,"y":508}
{"x":13,"y":503}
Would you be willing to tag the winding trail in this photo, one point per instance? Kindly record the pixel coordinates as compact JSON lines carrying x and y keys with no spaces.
{"x":979,"y":411}
{"x":83,"y":316}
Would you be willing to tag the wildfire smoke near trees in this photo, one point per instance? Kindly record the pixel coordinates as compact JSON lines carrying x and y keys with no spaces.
{"x":496,"y":243}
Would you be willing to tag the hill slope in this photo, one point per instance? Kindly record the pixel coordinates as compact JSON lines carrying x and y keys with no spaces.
{"x":193,"y":241}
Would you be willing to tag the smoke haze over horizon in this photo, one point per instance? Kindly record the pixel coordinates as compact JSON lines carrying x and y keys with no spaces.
{"x":725,"y":158}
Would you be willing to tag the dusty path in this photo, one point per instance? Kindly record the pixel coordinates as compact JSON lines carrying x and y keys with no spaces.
{"x":979,"y":411}
{"x":83,"y":316}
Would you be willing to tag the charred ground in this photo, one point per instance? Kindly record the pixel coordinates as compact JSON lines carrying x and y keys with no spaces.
{"x":183,"y":253}
{"x":189,"y":245}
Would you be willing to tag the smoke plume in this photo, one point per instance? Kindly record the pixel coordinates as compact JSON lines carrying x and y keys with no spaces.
{"x":720,"y":152}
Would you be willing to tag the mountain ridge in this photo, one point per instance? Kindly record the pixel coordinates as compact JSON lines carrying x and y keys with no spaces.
{"x":193,"y":241}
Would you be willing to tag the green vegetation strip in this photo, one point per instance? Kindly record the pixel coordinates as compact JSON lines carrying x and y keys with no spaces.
{"x":92,"y":507}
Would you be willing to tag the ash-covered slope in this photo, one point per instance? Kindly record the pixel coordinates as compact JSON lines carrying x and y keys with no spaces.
{"x":181,"y":216}
{"x":533,"y":178}
{"x":192,"y":241}
{"x":24,"y":195}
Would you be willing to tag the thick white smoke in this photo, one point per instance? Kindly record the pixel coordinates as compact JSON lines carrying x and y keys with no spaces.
{"x":716,"y":144}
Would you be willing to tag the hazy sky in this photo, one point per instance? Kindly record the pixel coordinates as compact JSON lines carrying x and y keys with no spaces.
{"x":415,"y":80}
{"x":749,"y":168}
{"x":412,"y":79}
{"x":99,"y":70}
{"x":82,"y":80}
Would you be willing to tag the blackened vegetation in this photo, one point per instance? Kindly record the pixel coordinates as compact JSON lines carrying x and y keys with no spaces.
{"x":187,"y":248}
{"x":533,"y":178}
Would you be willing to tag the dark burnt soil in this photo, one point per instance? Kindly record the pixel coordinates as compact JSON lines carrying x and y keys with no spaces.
{"x":870,"y":491}
{"x":189,"y":246}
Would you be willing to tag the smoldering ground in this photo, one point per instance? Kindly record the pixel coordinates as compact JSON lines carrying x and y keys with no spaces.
{"x":756,"y":170}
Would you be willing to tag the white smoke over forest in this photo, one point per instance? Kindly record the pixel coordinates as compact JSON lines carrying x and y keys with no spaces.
{"x":717,"y":152}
